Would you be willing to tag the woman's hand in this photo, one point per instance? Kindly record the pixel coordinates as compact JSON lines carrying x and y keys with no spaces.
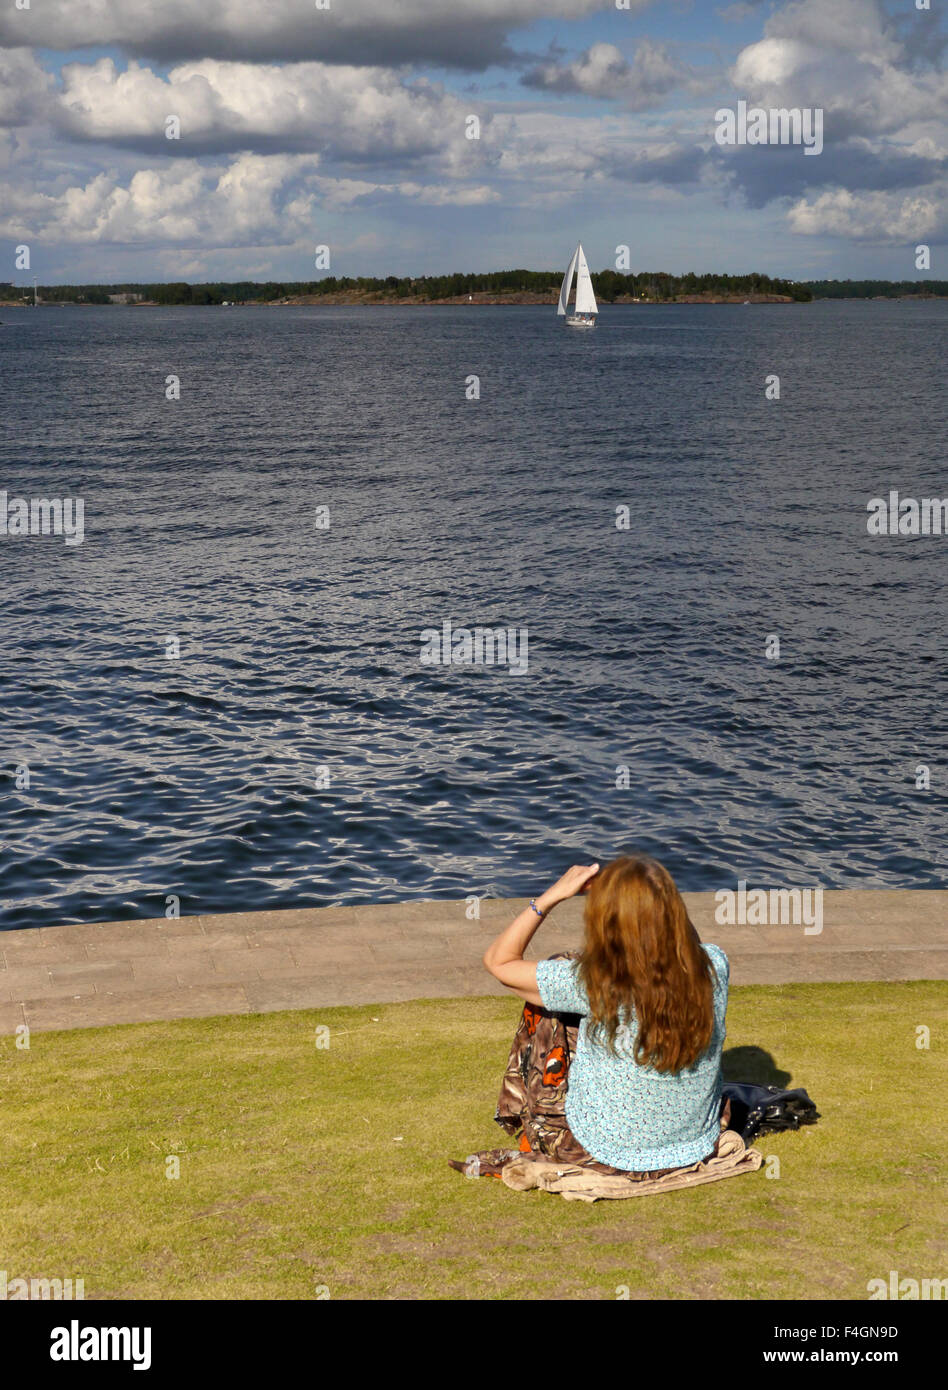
{"x":504,"y":956}
{"x":574,"y":881}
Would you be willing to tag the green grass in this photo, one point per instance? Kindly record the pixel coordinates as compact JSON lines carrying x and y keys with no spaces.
{"x":304,"y":1168}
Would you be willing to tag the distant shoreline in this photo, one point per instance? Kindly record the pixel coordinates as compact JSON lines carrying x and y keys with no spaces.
{"x":519,"y":299}
{"x":524,"y":297}
{"x":329,"y":301}
{"x":483,"y":288}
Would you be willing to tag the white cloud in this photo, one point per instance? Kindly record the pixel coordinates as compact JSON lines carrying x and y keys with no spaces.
{"x":353,"y":113}
{"x":858,"y":27}
{"x":876,"y":217}
{"x":769,"y":63}
{"x":445,"y":195}
{"x":603,"y":71}
{"x":341,"y":129}
{"x":844,"y":58}
{"x":881,"y":170}
{"x":183,"y":203}
{"x":25,"y":88}
{"x":253,"y":200}
{"x":468,"y":34}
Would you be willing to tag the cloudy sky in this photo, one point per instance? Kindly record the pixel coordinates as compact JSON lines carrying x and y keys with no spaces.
{"x":349,"y":126}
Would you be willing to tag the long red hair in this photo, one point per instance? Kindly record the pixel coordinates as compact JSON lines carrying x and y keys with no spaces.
{"x":642,"y":953}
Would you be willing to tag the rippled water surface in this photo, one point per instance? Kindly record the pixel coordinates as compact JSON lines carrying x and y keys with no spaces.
{"x":300,"y":647}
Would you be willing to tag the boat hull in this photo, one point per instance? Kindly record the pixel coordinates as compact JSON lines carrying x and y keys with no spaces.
{"x":574,"y":322}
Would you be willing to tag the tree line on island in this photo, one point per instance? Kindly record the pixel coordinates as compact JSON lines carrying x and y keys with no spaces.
{"x":610,"y":286}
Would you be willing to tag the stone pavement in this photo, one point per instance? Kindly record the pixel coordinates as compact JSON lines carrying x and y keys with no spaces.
{"x":255,"y":962}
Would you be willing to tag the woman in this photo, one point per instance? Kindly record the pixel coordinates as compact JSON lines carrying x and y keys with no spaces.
{"x":616,"y":1065}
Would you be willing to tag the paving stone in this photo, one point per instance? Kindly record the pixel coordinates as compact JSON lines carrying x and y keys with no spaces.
{"x":23,"y":979}
{"x":21,"y":936}
{"x":278,"y":920}
{"x":318,"y":957}
{"x":172,"y":926}
{"x":914,"y":965}
{"x":120,"y":934}
{"x":95,"y":971}
{"x":11,"y":1016}
{"x":411,"y":913}
{"x":202,"y":944}
{"x":37,"y":954}
{"x":375,"y":988}
{"x":849,"y":965}
{"x":71,"y":934}
{"x":132,"y":947}
{"x":166,"y":971}
{"x":128,"y":1007}
{"x":407,"y":950}
{"x":77,"y":982}
{"x":252,"y":964}
{"x":264,"y":996}
{"x":386,"y":928}
{"x":303,"y":938}
{"x":331,"y":953}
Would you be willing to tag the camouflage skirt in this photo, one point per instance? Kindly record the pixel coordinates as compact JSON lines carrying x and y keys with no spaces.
{"x":532,"y":1101}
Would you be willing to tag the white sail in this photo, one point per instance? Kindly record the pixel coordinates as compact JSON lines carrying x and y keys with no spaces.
{"x":585,"y":297}
{"x":568,"y":281}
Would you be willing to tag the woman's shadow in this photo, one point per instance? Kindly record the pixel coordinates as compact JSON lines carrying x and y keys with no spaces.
{"x":754,"y":1065}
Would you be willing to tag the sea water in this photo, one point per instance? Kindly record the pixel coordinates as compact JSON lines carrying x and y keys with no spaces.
{"x":220,"y":700}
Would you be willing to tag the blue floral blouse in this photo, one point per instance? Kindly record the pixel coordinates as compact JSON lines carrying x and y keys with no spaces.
{"x":631,"y":1116}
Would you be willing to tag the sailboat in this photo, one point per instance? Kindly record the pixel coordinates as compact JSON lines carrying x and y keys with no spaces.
{"x":586,"y":308}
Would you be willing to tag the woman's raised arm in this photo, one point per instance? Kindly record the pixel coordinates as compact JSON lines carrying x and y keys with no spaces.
{"x":504,"y":956}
